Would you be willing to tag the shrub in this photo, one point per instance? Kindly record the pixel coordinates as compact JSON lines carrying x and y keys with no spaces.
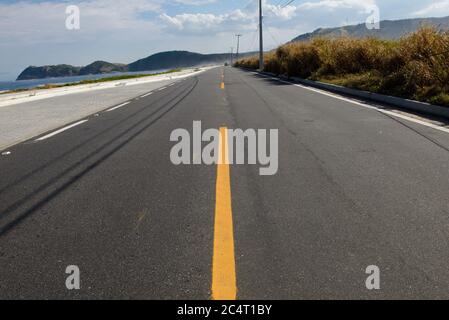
{"x":416,"y":66}
{"x":250,"y":62}
{"x":299,"y":59}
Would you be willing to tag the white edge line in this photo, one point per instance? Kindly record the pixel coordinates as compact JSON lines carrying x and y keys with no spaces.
{"x":119,"y":106}
{"x":391,"y":113}
{"x":146,"y":95}
{"x":61,"y":130}
{"x":427,"y":124}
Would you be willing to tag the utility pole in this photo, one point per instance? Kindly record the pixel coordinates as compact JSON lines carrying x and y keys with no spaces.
{"x":232,"y":53}
{"x":238,"y":46}
{"x":260,"y":36}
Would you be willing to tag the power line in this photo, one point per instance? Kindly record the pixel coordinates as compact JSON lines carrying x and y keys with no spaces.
{"x":279,"y":2}
{"x":290,"y":2}
{"x":246,"y":5}
{"x":253,"y":40}
{"x":272,"y":36}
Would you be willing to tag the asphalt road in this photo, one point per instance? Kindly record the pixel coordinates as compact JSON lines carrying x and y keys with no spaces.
{"x":355,"y":188}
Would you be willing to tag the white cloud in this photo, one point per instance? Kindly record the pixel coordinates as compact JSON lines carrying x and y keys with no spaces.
{"x":198,"y":21}
{"x":285,"y":13}
{"x":236,"y":20}
{"x":277,"y":15}
{"x":31,"y":22}
{"x":337,"y":4}
{"x":206,"y":23}
{"x":437,"y":8}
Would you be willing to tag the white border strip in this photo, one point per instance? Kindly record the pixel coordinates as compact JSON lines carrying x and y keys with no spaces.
{"x":146,"y":95}
{"x":336,"y":96}
{"x":61,"y":130}
{"x":119,"y":106}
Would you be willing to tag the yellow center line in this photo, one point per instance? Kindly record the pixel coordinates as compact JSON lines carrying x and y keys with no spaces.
{"x":222,"y":84}
{"x":224,"y":285}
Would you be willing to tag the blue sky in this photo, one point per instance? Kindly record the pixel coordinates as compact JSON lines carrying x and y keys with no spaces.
{"x":33,"y":32}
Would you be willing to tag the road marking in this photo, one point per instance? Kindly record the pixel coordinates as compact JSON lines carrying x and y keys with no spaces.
{"x":146,"y":95}
{"x":119,"y":106}
{"x":61,"y":130}
{"x":6,"y":153}
{"x":163,"y":88}
{"x":391,"y":113}
{"x":421,"y":122}
{"x":222,"y":84}
{"x":224,"y":284}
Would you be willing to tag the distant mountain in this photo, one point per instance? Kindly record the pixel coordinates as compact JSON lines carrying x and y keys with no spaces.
{"x":388,"y":29}
{"x":99,"y":67}
{"x":159,"y":61}
{"x":177,"y":59}
{"x":62,"y":70}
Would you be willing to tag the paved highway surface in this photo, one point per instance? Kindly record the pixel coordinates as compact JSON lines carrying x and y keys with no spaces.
{"x":355,"y":187}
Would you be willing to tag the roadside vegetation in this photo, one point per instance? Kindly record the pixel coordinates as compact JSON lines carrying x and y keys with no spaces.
{"x":414,"y":67}
{"x":112,"y":78}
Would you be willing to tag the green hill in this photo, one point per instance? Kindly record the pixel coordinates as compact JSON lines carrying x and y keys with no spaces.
{"x":62,"y":70}
{"x":177,"y":59}
{"x":99,"y":67}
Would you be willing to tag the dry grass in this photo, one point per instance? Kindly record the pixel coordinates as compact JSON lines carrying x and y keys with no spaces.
{"x":414,"y":67}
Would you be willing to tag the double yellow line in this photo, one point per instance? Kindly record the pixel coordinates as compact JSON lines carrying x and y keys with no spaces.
{"x":224,"y":284}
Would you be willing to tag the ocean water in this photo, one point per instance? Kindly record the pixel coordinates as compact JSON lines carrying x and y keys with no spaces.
{"x":27,"y":84}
